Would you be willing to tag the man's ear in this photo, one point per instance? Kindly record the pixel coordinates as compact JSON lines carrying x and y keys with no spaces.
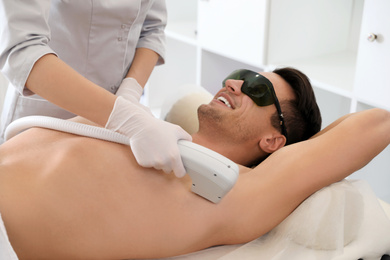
{"x":271,"y":143}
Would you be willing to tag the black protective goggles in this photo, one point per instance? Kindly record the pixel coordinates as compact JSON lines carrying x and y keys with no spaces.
{"x":259,"y":89}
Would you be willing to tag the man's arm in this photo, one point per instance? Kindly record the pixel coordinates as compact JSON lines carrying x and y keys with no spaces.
{"x":270,"y":192}
{"x":332,"y":125}
{"x":340,"y":149}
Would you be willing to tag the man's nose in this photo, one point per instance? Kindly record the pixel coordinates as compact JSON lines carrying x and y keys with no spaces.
{"x":234,"y":86}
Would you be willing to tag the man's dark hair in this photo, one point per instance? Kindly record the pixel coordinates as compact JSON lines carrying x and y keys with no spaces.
{"x":302,"y":115}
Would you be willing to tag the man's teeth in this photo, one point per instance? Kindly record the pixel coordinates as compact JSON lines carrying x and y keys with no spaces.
{"x":224,"y":100}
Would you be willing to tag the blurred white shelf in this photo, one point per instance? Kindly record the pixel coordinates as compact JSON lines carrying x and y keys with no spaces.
{"x":334,"y":72}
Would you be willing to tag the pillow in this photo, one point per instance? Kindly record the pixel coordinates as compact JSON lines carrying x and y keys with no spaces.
{"x":182,"y":109}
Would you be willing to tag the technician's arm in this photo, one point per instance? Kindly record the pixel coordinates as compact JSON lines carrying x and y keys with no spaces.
{"x":57,"y":82}
{"x":32,"y":66}
{"x":151,"y":45}
{"x":143,"y":64}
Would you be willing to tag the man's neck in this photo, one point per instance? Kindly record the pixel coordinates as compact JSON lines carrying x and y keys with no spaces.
{"x":236,"y":153}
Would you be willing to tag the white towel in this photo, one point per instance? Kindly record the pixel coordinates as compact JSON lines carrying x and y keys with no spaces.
{"x":341,"y":222}
{"x":6,"y":250}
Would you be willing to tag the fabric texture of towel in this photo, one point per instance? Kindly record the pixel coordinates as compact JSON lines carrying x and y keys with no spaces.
{"x":341,"y":222}
{"x":6,"y":250}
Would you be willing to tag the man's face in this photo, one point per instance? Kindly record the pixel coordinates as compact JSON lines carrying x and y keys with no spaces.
{"x":234,"y":114}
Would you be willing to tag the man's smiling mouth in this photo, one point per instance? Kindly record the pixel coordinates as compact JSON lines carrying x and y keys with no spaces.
{"x":225,"y":101}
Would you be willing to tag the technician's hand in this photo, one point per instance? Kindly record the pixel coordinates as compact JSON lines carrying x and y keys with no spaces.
{"x":130,"y":89}
{"x":153,"y":141}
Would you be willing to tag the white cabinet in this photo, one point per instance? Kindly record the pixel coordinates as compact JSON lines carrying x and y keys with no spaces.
{"x":372,"y":84}
{"x":216,"y":36}
{"x":234,"y":29}
{"x":261,"y":32}
{"x":326,"y":39}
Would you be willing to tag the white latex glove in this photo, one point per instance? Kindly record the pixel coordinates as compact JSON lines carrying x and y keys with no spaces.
{"x":130,"y":89}
{"x":153,"y":141}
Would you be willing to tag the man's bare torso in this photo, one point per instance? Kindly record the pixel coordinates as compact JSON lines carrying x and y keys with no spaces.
{"x":65,"y":196}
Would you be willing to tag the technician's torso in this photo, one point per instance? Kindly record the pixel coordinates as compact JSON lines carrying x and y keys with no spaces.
{"x":63,"y":196}
{"x":97,"y":38}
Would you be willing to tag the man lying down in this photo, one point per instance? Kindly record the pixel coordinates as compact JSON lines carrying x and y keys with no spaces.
{"x":64,"y":196}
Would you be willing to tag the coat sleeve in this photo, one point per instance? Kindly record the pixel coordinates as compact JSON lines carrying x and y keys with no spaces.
{"x":25,"y":34}
{"x":152,"y":34}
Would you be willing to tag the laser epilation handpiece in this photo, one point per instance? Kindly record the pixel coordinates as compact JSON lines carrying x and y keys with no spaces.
{"x":212,"y":174}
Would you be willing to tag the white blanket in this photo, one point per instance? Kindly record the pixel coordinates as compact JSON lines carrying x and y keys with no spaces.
{"x":341,"y":222}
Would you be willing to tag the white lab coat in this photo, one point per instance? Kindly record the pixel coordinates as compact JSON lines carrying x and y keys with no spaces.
{"x":97,"y":38}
